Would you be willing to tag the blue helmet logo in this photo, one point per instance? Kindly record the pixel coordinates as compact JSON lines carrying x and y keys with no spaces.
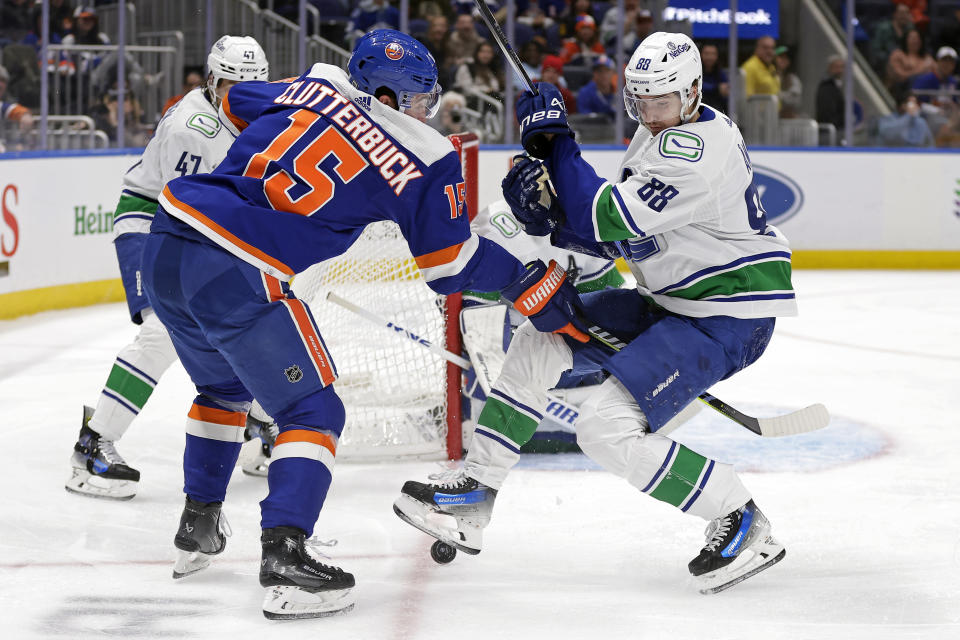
{"x":782,"y":197}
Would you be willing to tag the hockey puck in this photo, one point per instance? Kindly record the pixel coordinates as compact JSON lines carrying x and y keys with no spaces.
{"x":442,"y":553}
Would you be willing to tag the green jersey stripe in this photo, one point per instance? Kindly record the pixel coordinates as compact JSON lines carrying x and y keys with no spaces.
{"x":608,"y":219}
{"x":129,"y":386}
{"x":130,"y":203}
{"x":500,"y":417}
{"x":681,"y":479}
{"x":773,"y":275}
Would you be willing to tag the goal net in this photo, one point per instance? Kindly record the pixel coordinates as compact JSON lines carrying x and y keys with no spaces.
{"x":401,"y":399}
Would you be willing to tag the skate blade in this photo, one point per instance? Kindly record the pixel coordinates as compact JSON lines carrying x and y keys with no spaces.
{"x":257,"y":471}
{"x":189,"y":563}
{"x":294,"y":603}
{"x":84,"y":483}
{"x":418,"y":515}
{"x":770,"y":553}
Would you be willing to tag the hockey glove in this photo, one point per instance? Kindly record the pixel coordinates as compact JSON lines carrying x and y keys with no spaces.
{"x":530,"y":196}
{"x":540,"y":115}
{"x":544,"y":295}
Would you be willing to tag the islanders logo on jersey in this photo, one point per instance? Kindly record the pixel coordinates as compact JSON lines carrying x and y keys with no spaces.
{"x":394,"y":51}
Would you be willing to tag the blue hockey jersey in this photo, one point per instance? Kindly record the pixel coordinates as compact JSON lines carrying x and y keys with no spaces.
{"x":317,"y":160}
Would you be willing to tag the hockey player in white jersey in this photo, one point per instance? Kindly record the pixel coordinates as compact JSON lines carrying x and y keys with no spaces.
{"x":711,"y":278}
{"x":189,"y":139}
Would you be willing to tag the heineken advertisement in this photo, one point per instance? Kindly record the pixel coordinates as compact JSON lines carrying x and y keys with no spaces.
{"x":56,"y":220}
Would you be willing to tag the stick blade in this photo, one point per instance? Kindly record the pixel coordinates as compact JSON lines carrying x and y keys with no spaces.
{"x":805,"y":420}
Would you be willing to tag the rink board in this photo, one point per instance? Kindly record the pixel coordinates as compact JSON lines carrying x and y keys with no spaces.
{"x":839,"y":208}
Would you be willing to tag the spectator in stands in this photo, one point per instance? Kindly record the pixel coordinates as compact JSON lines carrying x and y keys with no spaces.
{"x":906,"y":128}
{"x":830,"y":101}
{"x":610,"y":23}
{"x":600,"y":94}
{"x":452,"y":114}
{"x":86,"y":31}
{"x":910,"y":61}
{"x":716,"y":85}
{"x":435,"y":39}
{"x":192,"y":78}
{"x":887,"y":36}
{"x":569,"y":18}
{"x":14,"y":19}
{"x":539,"y":22}
{"x":918,"y":13}
{"x":949,"y":32}
{"x":948,"y":135}
{"x":35,"y":37}
{"x":463,"y":40}
{"x":10,"y":109}
{"x":940,"y":79}
{"x":61,"y":17}
{"x":531,"y":57}
{"x":105,"y":115}
{"x":482,"y":73}
{"x":551,"y":71}
{"x":369,"y":15}
{"x":791,"y":89}
{"x":585,"y":46}
{"x":762,"y":78}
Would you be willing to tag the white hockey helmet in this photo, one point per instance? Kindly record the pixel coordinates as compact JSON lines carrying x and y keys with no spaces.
{"x":237,"y":58}
{"x":664,"y":63}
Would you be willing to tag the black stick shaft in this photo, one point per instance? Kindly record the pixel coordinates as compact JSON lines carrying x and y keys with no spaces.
{"x":504,"y":45}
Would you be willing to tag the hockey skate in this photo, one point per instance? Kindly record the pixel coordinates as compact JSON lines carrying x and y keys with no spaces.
{"x":267,"y":432}
{"x":202,"y":534}
{"x":454,"y":511}
{"x":98,"y":469}
{"x":298,"y":584}
{"x":739,"y":545}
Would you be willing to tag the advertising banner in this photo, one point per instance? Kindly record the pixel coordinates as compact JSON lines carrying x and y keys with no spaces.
{"x":711,"y":18}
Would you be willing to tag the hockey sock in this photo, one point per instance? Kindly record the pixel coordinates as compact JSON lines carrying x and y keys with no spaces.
{"x":214,"y":438}
{"x":299,"y":477}
{"x":126,"y":391}
{"x":504,"y":425}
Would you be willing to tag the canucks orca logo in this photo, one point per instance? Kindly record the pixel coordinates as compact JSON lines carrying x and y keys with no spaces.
{"x":782,"y":197}
{"x":394,"y":51}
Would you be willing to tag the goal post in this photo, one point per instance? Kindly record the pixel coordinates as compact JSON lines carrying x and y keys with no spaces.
{"x":402,"y":401}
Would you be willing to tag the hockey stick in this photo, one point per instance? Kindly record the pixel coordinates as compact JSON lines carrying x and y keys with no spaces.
{"x":801,"y":421}
{"x":483,"y":378}
{"x":501,"y":40}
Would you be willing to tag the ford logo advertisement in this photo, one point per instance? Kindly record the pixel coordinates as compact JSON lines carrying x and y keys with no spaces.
{"x":780,"y":195}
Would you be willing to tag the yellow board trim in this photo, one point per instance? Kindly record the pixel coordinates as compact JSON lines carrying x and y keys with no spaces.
{"x":809,"y":259}
{"x":22,"y":303}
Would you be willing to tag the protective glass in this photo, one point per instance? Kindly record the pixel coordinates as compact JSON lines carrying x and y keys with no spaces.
{"x":648,"y":109}
{"x":421,"y":106}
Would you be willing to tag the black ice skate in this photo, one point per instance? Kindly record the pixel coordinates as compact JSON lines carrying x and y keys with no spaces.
{"x":203,"y":533}
{"x":739,"y":545}
{"x":455,"y":511}
{"x":298,"y":584}
{"x":98,"y":469}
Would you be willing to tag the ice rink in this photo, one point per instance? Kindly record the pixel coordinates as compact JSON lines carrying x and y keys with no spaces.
{"x":869,"y":508}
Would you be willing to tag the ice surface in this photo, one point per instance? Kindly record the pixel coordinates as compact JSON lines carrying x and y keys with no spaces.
{"x":869,"y":509}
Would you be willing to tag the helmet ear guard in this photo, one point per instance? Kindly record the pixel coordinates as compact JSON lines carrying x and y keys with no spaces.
{"x":664,"y":63}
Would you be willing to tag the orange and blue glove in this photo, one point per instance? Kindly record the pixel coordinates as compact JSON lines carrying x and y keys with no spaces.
{"x":547,"y":298}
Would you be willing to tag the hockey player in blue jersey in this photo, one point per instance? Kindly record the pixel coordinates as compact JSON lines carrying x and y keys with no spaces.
{"x":317,"y":158}
{"x":711,"y":277}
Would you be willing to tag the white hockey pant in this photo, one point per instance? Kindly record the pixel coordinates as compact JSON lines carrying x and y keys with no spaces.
{"x":133,"y":377}
{"x":611,"y":430}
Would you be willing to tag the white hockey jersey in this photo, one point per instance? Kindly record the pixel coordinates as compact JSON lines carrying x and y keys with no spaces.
{"x":687,"y":218}
{"x":496,"y":222}
{"x":190,"y":138}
